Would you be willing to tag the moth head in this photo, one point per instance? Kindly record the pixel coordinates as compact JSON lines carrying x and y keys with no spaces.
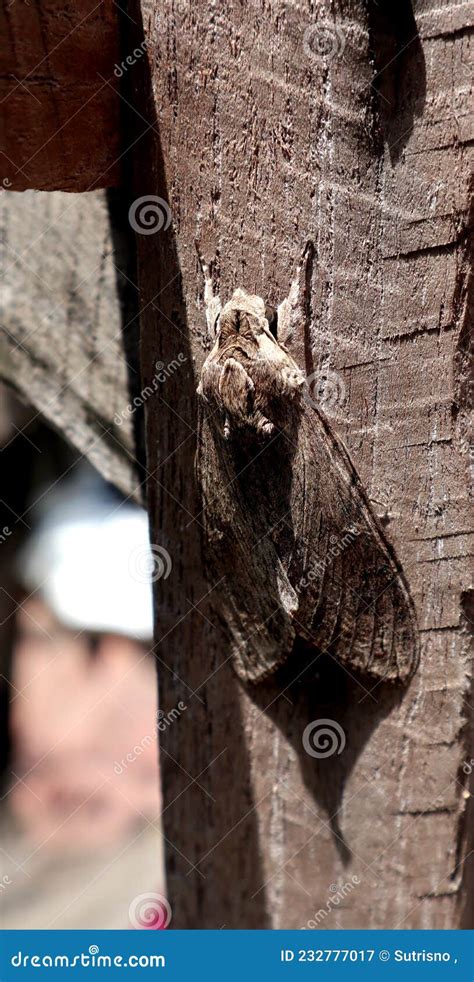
{"x":243,"y":317}
{"x":248,"y":373}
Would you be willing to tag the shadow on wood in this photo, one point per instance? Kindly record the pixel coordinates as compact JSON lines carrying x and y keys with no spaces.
{"x":324,"y":691}
{"x":400,"y":74}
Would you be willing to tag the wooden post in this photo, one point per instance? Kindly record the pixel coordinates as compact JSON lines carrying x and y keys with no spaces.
{"x":270,"y":124}
{"x":272,"y":127}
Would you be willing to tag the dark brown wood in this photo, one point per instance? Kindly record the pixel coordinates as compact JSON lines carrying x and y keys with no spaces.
{"x":355,"y":137}
{"x":58,"y":95}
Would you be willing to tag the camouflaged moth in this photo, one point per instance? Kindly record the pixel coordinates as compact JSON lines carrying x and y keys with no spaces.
{"x":288,"y":525}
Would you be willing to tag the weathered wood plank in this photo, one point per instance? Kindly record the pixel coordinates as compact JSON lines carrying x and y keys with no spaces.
{"x":62,"y":344}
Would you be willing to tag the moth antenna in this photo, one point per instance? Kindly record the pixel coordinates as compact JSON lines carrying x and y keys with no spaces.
{"x":296,"y":307}
{"x":309,"y":256}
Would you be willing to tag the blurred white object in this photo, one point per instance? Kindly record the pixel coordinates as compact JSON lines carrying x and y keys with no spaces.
{"x":89,"y":557}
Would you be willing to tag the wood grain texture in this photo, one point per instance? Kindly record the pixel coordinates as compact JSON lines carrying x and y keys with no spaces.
{"x":270,"y":136}
{"x":62,"y":343}
{"x":58,"y":91}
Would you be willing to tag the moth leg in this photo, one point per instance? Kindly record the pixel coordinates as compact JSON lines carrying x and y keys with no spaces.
{"x":294,"y":312}
{"x":272,"y":318}
{"x":262,"y":424}
{"x":381,"y":510}
{"x":212,"y":302}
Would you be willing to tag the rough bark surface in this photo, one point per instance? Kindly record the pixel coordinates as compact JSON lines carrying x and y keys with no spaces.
{"x":58,"y":93}
{"x":348,"y":124}
{"x":63,"y":344}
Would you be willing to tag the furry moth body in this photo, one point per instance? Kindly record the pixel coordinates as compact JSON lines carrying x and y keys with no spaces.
{"x":287,"y":522}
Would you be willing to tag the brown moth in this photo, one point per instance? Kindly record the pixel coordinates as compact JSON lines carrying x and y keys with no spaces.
{"x":289,"y":529}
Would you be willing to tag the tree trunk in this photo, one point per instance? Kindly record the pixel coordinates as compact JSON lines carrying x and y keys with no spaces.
{"x":276,"y":124}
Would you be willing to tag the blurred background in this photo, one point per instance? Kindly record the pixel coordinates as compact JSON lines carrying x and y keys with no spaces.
{"x":79,"y":797}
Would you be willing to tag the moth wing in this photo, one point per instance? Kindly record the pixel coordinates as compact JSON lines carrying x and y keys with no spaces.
{"x":256,"y":598}
{"x":297,"y":551}
{"x":294,"y":544}
{"x":353,"y":599}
